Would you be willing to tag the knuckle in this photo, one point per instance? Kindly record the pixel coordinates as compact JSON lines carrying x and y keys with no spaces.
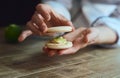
{"x":40,"y":17}
{"x":39,"y":6}
{"x":41,"y":27}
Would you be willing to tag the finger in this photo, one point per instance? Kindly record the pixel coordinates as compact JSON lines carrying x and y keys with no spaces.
{"x":63,"y":20}
{"x":33,"y":28}
{"x":81,"y":45}
{"x":77,"y":44}
{"x":67,"y":51}
{"x":91,"y":36}
{"x":39,"y":21}
{"x":52,"y":52}
{"x":44,"y":11}
{"x":49,"y":52}
{"x":69,"y":23}
{"x":24,"y":35}
{"x":71,"y":50}
{"x":73,"y":35}
{"x":45,"y":49}
{"x":85,"y":33}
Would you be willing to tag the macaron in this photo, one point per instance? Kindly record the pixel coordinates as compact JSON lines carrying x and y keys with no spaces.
{"x":59,"y":42}
{"x":60,"y":29}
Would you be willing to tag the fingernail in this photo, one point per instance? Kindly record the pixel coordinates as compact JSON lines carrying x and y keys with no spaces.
{"x":20,"y":39}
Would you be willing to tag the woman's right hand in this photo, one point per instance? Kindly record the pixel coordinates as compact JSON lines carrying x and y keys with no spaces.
{"x":43,"y":18}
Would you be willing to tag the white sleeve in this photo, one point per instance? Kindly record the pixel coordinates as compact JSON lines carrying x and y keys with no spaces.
{"x":114,"y":24}
{"x":59,"y":8}
{"x":66,"y":3}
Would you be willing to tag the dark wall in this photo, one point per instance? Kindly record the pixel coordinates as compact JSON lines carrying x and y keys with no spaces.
{"x":16,"y":11}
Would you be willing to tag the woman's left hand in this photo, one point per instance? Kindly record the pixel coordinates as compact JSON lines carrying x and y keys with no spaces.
{"x":81,"y":38}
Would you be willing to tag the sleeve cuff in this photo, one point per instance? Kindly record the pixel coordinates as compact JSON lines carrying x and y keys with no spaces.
{"x":114,"y":24}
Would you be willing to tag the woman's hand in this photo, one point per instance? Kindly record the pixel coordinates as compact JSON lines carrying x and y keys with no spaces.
{"x":81,"y":38}
{"x":43,"y":18}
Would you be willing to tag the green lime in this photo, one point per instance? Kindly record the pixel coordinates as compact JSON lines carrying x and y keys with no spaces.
{"x":12,"y":33}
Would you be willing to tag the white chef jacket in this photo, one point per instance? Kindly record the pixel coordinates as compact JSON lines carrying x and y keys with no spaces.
{"x":63,"y":6}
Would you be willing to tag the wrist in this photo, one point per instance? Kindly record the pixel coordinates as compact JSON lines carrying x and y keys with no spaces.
{"x":106,"y":35}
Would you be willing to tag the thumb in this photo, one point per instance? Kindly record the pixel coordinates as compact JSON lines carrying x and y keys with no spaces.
{"x":24,"y":35}
{"x":91,"y":37}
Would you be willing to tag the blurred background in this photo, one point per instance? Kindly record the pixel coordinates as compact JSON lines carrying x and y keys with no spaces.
{"x":20,"y":11}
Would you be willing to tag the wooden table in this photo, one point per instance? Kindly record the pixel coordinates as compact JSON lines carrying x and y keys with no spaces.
{"x":26,"y":60}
